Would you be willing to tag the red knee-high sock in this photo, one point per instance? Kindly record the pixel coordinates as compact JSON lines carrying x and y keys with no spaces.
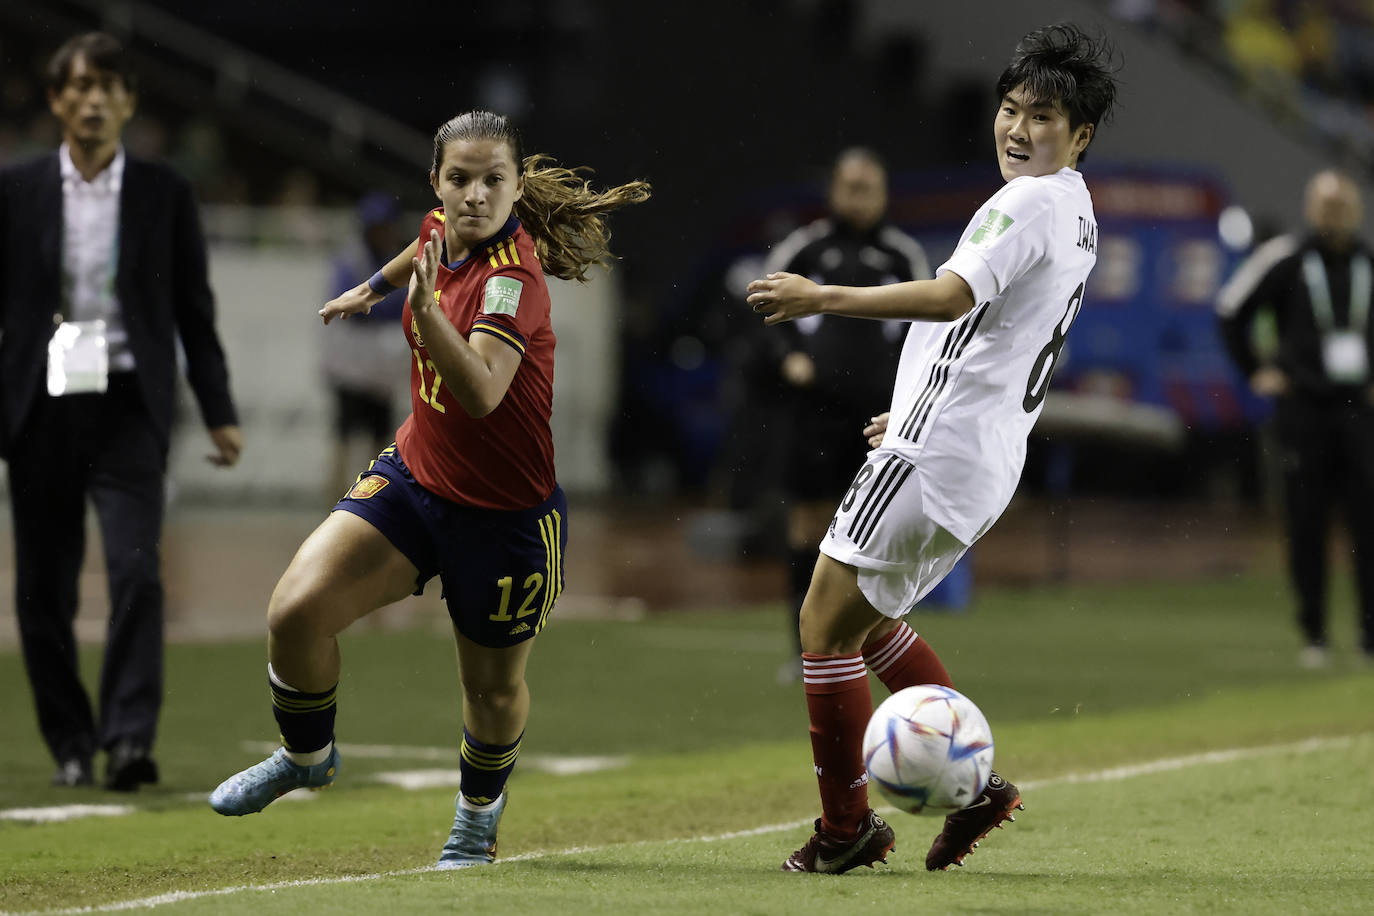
{"x":902,"y":659}
{"x":839,"y":704}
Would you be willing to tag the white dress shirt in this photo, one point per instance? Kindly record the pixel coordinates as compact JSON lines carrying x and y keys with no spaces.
{"x":90,"y":251}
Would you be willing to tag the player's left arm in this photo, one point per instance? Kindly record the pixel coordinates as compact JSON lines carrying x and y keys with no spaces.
{"x":478,"y":372}
{"x":785,"y":297}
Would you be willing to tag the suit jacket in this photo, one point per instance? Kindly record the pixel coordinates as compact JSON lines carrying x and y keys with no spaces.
{"x":161,"y":281}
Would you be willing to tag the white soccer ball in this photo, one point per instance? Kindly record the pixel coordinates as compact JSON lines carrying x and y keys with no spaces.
{"x":928,"y":749}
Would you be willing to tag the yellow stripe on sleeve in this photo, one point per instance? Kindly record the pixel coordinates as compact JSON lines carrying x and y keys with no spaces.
{"x":502,"y":333}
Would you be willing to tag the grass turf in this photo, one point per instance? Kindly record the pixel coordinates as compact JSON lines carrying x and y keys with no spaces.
{"x":1073,"y":679}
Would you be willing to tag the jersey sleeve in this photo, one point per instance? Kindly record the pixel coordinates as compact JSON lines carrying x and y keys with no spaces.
{"x":1010,"y":235}
{"x":434,"y":219}
{"x":514,"y":306}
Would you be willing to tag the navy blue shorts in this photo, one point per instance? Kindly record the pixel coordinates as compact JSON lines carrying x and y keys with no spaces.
{"x":501,"y":571}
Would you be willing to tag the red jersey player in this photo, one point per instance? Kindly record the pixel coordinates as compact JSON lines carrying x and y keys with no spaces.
{"x":503,"y":459}
{"x":468,"y":491}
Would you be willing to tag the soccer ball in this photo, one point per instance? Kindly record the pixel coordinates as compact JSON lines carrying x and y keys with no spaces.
{"x":928,"y":749}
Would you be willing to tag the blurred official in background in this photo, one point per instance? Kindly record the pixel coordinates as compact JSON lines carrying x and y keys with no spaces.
{"x":1318,"y":288}
{"x":838,"y":373}
{"x":365,"y":359}
{"x":102,"y":269}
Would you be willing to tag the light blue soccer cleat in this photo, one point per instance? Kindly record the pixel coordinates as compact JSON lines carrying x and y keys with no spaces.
{"x":472,"y":841}
{"x":258,"y":786}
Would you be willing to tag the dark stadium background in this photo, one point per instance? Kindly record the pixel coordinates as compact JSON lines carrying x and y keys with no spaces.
{"x":732,"y":110}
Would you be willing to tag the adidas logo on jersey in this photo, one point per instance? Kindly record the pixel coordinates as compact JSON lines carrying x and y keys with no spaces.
{"x":521,"y":627}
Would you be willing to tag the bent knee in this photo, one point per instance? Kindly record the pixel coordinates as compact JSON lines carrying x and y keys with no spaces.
{"x":298,"y":612}
{"x":494,"y":697}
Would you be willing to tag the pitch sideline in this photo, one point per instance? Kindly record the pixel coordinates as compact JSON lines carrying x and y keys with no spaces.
{"x":1111,"y":774}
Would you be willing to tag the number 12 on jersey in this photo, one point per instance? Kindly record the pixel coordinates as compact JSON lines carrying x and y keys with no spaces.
{"x":432,"y":396}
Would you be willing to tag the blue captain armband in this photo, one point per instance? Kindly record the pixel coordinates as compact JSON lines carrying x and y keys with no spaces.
{"x":380,"y":285}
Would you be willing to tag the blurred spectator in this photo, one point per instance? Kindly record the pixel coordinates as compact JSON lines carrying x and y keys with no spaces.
{"x":1262,"y":49}
{"x":102,"y":274}
{"x":1318,"y":286}
{"x":297,"y":202}
{"x":365,"y":361}
{"x":837,"y":373}
{"x":1311,"y":61}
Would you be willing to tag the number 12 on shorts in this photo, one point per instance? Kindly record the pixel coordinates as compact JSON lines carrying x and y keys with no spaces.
{"x":533,"y":582}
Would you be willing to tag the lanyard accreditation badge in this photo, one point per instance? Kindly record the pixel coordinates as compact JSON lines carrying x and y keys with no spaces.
{"x":1345,"y":355}
{"x":79,"y":351}
{"x":78,"y":358}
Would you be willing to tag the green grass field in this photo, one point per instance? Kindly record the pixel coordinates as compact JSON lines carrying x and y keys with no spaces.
{"x":1173,"y":760}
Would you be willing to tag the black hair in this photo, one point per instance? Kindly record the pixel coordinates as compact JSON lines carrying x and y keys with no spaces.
{"x":1063,"y":65}
{"x":102,"y":51}
{"x":861,"y":153}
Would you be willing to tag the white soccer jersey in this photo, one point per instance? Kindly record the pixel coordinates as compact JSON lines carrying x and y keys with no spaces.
{"x":969,"y":391}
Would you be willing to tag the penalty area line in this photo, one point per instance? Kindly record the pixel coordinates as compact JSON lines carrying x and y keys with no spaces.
{"x":1111,"y":774}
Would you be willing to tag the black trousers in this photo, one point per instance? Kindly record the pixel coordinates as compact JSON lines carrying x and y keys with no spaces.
{"x":1327,"y":458}
{"x":103,"y":446}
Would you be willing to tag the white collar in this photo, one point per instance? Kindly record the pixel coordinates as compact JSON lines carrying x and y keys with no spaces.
{"x":110,"y":178}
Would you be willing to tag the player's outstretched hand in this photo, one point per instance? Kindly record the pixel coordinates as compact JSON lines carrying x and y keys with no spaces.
{"x":358,"y":300}
{"x":784,"y":297}
{"x":424,"y":273}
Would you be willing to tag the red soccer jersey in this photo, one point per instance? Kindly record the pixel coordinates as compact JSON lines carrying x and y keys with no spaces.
{"x":505,"y":459}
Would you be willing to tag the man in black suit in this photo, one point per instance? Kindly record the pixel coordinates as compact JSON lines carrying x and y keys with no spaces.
{"x":102,"y":269}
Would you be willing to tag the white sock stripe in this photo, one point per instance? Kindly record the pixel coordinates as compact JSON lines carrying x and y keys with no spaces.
{"x":833,"y":670}
{"x":900,"y":642}
{"x":857,"y":670}
{"x":880,"y":659}
{"x":806,"y":679}
{"x":904,"y":639}
{"x":848,"y":667}
{"x":831,"y":661}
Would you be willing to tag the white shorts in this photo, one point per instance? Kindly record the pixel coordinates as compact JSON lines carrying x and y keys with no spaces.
{"x":881,"y":527}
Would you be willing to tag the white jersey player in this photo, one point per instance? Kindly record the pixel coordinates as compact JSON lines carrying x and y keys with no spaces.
{"x":969,"y":391}
{"x":986,"y":335}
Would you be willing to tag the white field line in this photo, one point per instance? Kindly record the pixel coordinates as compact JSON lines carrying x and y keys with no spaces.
{"x":1169,"y":764}
{"x":557,"y":764}
{"x":1164,"y":765}
{"x":54,"y":813}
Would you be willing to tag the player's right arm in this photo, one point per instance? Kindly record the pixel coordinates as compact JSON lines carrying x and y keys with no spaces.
{"x":362,"y":297}
{"x":786,"y":297}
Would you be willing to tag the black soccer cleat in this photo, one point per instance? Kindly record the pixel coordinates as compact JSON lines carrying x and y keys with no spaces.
{"x":827,"y":854}
{"x":965,"y":827}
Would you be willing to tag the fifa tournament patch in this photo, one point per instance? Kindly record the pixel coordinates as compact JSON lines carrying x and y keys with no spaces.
{"x":502,"y":296}
{"x":994,"y":224}
{"x":368,"y":487}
